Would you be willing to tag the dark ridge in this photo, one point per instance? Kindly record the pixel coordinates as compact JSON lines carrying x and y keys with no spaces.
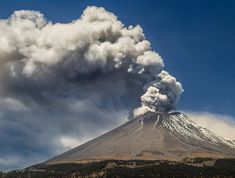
{"x":200,"y":167}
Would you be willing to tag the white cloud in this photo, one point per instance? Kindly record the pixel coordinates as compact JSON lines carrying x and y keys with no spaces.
{"x":69,"y":142}
{"x":222,"y":125}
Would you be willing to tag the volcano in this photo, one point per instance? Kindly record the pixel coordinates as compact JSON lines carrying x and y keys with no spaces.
{"x":152,"y":136}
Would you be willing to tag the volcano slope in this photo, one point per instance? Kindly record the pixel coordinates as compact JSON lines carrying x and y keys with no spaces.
{"x":150,"y":145}
{"x":152,"y":136}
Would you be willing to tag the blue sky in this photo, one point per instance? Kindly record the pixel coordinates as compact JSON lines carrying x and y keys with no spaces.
{"x":195,"y":38}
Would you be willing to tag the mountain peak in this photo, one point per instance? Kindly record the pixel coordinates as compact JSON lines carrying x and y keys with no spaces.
{"x":156,"y":118}
{"x":151,"y":136}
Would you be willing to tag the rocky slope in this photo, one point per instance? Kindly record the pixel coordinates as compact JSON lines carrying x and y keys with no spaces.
{"x":193,"y":168}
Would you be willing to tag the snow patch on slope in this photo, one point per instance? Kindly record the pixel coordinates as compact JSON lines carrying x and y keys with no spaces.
{"x":182,"y":125}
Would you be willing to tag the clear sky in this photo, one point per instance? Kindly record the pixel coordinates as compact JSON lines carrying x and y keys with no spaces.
{"x":195,"y":38}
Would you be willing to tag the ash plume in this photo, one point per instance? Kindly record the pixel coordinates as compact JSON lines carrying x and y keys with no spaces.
{"x":37,"y":52}
{"x":86,"y":75}
{"x":161,"y":95}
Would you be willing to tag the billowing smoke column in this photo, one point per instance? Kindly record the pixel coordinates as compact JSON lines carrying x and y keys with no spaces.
{"x":161,"y":95}
{"x":36,"y":51}
{"x":66,"y":82}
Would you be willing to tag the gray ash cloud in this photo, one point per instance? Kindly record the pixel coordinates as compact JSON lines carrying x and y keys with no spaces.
{"x":57,"y":74}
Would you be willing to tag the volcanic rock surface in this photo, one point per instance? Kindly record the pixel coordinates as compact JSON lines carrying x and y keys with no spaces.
{"x":152,"y":136}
